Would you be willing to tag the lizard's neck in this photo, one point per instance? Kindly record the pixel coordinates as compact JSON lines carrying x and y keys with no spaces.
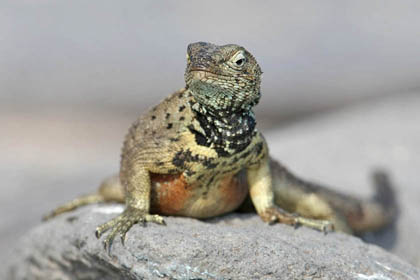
{"x":229,"y":132}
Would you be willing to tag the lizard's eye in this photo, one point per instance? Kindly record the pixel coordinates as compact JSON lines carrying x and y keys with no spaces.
{"x":238,"y":60}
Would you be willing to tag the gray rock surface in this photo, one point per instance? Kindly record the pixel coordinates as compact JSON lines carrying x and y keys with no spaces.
{"x":238,"y":246}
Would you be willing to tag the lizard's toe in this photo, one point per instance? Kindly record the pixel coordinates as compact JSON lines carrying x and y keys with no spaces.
{"x":104,"y":227}
{"x":120,"y":228}
{"x":322,"y":225}
{"x":155,"y":219}
{"x":109,"y":239}
{"x":122,"y":224}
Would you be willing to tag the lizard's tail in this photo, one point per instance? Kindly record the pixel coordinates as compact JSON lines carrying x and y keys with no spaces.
{"x":379,"y":211}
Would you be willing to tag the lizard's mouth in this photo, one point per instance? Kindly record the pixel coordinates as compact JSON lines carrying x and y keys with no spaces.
{"x":201,"y":71}
{"x":199,"y":74}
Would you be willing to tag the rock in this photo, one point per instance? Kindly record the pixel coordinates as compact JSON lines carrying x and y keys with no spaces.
{"x":237,"y":246}
{"x":341,"y":149}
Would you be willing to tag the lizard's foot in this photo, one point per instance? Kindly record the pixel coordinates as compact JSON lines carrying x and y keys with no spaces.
{"x":278,"y":215}
{"x":122,"y":224}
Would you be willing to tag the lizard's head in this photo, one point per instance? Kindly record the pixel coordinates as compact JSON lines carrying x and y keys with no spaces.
{"x":222,"y":78}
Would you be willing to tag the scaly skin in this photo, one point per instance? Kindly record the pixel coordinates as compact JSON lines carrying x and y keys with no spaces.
{"x":198,"y":154}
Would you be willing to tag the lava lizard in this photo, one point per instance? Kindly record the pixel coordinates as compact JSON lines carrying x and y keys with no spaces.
{"x":199,"y":154}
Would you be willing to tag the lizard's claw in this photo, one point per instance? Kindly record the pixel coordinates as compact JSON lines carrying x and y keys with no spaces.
{"x":122,"y":224}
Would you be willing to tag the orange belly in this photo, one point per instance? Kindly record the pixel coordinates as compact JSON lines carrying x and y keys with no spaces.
{"x":171,"y":195}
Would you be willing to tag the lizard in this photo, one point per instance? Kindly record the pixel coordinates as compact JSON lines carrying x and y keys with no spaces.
{"x":199,"y":154}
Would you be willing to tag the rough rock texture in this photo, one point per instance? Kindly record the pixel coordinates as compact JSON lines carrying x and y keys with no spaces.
{"x":238,"y":246}
{"x":341,"y":148}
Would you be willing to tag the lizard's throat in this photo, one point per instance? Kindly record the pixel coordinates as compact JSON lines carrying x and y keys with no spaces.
{"x":227,"y":132}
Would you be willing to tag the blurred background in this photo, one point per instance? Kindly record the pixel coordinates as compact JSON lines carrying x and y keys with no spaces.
{"x":75,"y":74}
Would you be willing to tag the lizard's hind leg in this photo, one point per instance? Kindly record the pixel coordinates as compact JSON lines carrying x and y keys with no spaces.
{"x":110,"y":190}
{"x":296,"y":196}
{"x":347,"y":213}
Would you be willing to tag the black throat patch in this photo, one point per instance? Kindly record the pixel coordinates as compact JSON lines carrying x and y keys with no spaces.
{"x":228,"y":132}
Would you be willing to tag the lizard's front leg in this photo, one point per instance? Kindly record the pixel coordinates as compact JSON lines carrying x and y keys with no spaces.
{"x":261,"y":192}
{"x":138,"y":187}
